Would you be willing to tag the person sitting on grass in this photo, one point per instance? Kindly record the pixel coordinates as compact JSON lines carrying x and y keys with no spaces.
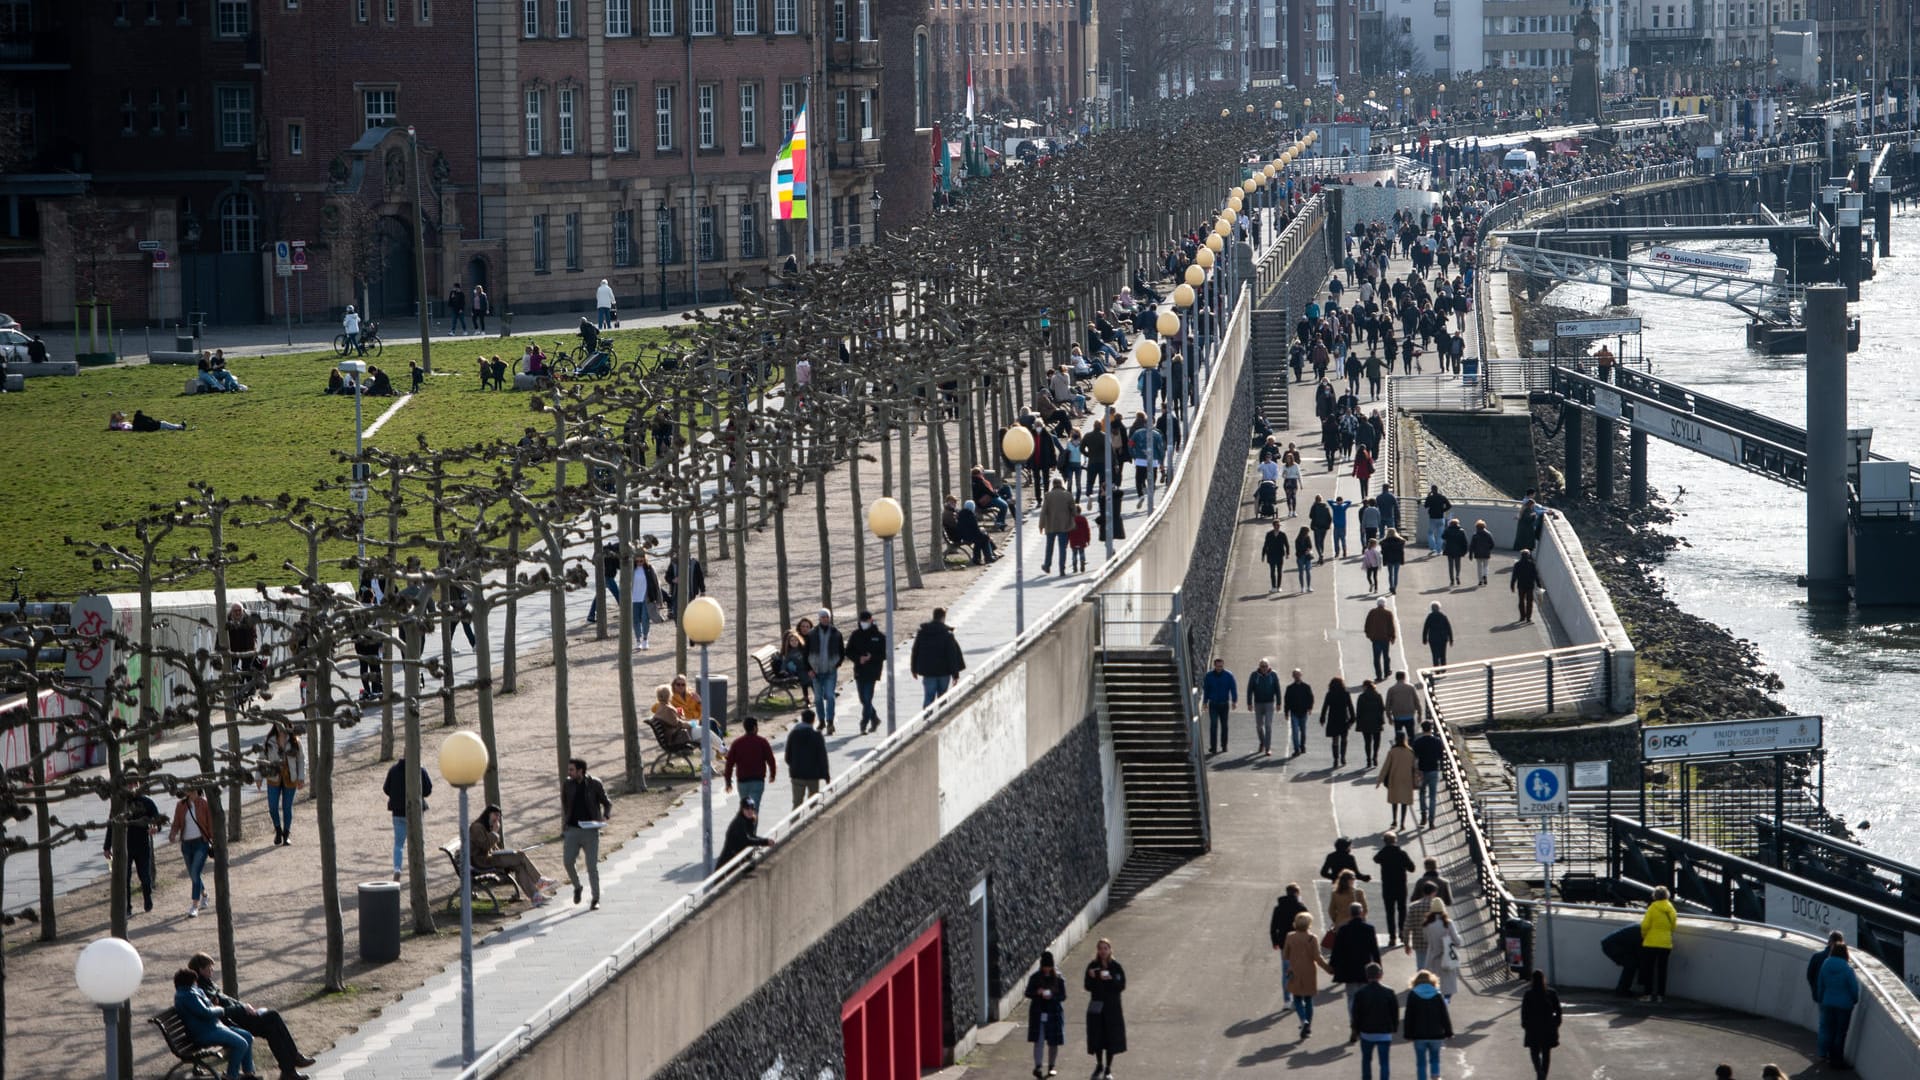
{"x":337,"y":383}
{"x":140,"y":422}
{"x":533,"y":361}
{"x":379,"y":383}
{"x":493,"y":373}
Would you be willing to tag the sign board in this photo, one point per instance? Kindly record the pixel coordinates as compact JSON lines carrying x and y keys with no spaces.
{"x":1686,"y":430}
{"x":1543,"y":789}
{"x":1731,"y":738}
{"x":299,"y":256}
{"x":1672,"y":256}
{"x":1912,"y":968}
{"x":358,"y":493}
{"x":160,"y":261}
{"x":149,"y":245}
{"x":1596,"y":327}
{"x":1589,"y":774}
{"x":1542,"y":346}
{"x":283,"y":270}
{"x":1543,"y":848}
{"x":1808,"y":915}
{"x":92,"y":657}
{"x":282,"y":256}
{"x":1606,"y":402}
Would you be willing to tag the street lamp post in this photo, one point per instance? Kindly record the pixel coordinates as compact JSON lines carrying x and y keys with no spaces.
{"x":1017,"y":446}
{"x":420,"y":256}
{"x":1148,"y":354}
{"x":1168,"y":324}
{"x":358,"y":492}
{"x":1106,"y":391}
{"x":703,"y":621}
{"x":463,"y":763}
{"x":1183,"y":298}
{"x":884,"y":520}
{"x":1196,"y":278}
{"x":109,"y":971}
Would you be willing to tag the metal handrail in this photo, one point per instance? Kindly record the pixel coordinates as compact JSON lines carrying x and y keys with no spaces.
{"x":1574,"y":677}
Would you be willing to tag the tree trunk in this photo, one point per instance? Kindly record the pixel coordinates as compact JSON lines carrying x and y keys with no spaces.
{"x":820,"y":526}
{"x":906,"y":500}
{"x":42,"y":815}
{"x":320,"y":731}
{"x":216,"y":539}
{"x":783,"y":595}
{"x":600,"y":574}
{"x":630,"y":600}
{"x":683,"y":578}
{"x":222,"y":896}
{"x":419,"y":898}
{"x":447,"y":717}
{"x":483,"y":686}
{"x":510,"y":641}
{"x":859,"y":532}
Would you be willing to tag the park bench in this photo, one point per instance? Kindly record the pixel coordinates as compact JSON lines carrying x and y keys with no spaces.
{"x":675,"y":745}
{"x":774,"y":678}
{"x":198,"y":1059}
{"x":484,"y":878}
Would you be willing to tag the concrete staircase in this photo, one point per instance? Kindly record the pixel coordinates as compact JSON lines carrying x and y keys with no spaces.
{"x":1271,"y":336}
{"x":1149,"y":728}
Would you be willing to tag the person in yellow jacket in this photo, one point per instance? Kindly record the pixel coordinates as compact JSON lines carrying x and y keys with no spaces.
{"x":1656,"y":944}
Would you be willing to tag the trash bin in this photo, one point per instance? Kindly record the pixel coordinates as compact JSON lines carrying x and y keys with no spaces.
{"x":716,"y":700}
{"x":183,"y":342}
{"x":379,"y":921}
{"x":1517,"y":936}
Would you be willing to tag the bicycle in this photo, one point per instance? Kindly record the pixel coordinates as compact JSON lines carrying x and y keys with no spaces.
{"x":369,"y":342}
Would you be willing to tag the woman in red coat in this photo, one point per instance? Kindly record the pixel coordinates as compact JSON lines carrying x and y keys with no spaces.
{"x":1362,"y":468}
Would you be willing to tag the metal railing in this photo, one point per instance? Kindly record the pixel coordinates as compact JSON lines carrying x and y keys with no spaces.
{"x":1744,"y":160}
{"x":1135,"y":620}
{"x":1307,"y":222}
{"x":1435,"y":393}
{"x":1480,"y":852}
{"x":1577,"y":680}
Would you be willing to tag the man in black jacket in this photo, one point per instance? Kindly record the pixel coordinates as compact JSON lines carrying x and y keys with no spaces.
{"x":826,"y":650}
{"x":1395,"y":864}
{"x":1341,"y":858}
{"x":1298,"y":703}
{"x":937,"y":659}
{"x":584,"y":810}
{"x":142,"y":821}
{"x":395,"y":789}
{"x":1376,"y":1017}
{"x":806,"y":758}
{"x":1284,"y":909}
{"x":265,"y":1023}
{"x":1356,"y":947}
{"x":868,"y":647}
{"x":1430,"y":755}
{"x":743,"y":833}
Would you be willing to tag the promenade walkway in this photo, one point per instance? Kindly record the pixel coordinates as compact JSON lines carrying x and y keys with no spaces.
{"x":1203,"y":984}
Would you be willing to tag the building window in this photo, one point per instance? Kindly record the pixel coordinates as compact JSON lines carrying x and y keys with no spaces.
{"x":853,"y":221}
{"x":709,"y":235}
{"x":746,"y":16}
{"x":183,"y":111}
{"x":426,"y":11}
{"x":238,"y":225}
{"x":866,"y":116}
{"x":839,"y":20}
{"x":156,"y":113}
{"x":840,"y":130}
{"x":530,"y":18}
{"x":749,"y":114}
{"x":786,"y":16}
{"x":296,"y":140}
{"x":533,"y":123}
{"x":563,"y":101}
{"x":573,"y":240}
{"x":393,"y":10}
{"x":666,"y":236}
{"x":359,"y":10}
{"x":789,"y":108}
{"x":866,"y":20}
{"x":539,"y":243}
{"x":128,"y":112}
{"x":749,"y":230}
{"x":623,"y":238}
{"x":619,"y":18}
{"x":236,"y":116}
{"x":660,"y":18}
{"x":622,"y":119}
{"x":709,"y":136}
{"x":563,"y":19}
{"x":233,"y":18}
{"x":663,"y":118}
{"x":700,"y":17}
{"x":382,"y":107}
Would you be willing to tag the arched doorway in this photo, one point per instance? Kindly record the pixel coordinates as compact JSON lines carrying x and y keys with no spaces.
{"x":391,"y":296}
{"x":477,"y":273}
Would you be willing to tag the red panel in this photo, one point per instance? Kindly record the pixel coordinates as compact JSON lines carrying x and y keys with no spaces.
{"x":854,"y":1044}
{"x":931,"y":1048}
{"x":891,"y":1029}
{"x":906,"y":1050}
{"x":879,"y":1010}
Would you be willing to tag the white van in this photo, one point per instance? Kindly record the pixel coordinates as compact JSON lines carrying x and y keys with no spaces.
{"x":1520,"y":161}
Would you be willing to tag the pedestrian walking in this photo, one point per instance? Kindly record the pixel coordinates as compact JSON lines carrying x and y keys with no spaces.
{"x":350,"y":329}
{"x":1078,"y":538}
{"x":143,"y":820}
{"x":1395,"y":866}
{"x":1442,"y":952}
{"x":1397,"y":776}
{"x":283,"y":771}
{"x":752,"y":758}
{"x":1336,"y":718}
{"x":1369,"y":719}
{"x":1347,"y":901}
{"x":1657,"y":924}
{"x":1056,"y":521}
{"x":1389,"y":506}
{"x":1303,"y":558}
{"x":395,"y":789}
{"x":1263,"y":698}
{"x":1403,"y":704}
{"x":826,"y":650}
{"x":1302,"y":963}
{"x":1393,"y":555}
{"x":1320,"y":520}
{"x":1298,"y":702}
{"x":743,"y":832}
{"x":1339,"y":507}
{"x":1371,"y":519}
{"x":936,"y":659}
{"x":1480,"y":547}
{"x":1540,"y":1023}
{"x":1525,"y":578}
{"x":1427,"y":1025}
{"x":1429,"y":755}
{"x":1290,"y":484}
{"x":604,"y":303}
{"x":868,"y":647}
{"x":1818,"y":959}
{"x":1370,"y":564}
{"x":806,"y":758}
{"x":1382,"y":631}
{"x":1437,"y":633}
{"x":1105,"y":982}
{"x":1376,"y":1017}
{"x":456,"y":309}
{"x":584,"y":810}
{"x":1275,"y":550}
{"x":1431,"y":872}
{"x":1221,"y":693}
{"x":1046,"y":1015}
{"x":1839,"y":992}
{"x":1280,"y":925}
{"x":480,"y":305}
{"x":1362,"y":468}
{"x":1426,"y":900}
{"x":1437,"y":506}
{"x":1454,"y":545}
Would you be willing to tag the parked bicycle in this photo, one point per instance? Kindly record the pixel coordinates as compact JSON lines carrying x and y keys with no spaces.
{"x":369,"y":341}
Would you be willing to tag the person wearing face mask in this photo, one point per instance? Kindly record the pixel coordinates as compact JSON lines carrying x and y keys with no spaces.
{"x":868,"y":649}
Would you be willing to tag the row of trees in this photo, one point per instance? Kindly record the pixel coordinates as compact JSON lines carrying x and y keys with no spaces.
{"x":918,"y":349}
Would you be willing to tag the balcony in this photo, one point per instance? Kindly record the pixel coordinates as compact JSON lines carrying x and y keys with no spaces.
{"x":35,"y":52}
{"x":854,"y":155}
{"x":854,"y":55}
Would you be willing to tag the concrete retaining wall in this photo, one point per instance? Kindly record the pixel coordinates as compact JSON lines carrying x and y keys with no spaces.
{"x":1617,"y":742}
{"x":1498,"y":445}
{"x":1582,"y":605}
{"x":1750,"y":968}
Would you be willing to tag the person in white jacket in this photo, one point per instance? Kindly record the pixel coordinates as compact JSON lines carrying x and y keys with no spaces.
{"x":604,"y":301}
{"x":350,"y":325}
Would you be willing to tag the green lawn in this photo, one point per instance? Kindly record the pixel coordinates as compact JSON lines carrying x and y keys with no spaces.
{"x":69,"y":474}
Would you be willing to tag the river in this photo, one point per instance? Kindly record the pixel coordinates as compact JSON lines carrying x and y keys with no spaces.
{"x":1744,"y":537}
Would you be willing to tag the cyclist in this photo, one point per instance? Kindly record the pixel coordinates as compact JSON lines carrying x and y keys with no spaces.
{"x":350,"y":325}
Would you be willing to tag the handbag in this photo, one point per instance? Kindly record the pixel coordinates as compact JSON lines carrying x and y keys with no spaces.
{"x":1326,"y":941}
{"x":1451,"y":961}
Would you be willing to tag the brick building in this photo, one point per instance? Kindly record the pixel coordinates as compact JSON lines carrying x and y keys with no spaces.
{"x":1028,"y":55}
{"x":1322,"y":40}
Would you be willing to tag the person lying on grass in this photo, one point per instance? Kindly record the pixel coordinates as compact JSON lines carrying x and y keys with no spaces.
{"x":140,"y":422}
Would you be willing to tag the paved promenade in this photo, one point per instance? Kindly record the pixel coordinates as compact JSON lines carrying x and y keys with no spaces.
{"x":1203,"y":983}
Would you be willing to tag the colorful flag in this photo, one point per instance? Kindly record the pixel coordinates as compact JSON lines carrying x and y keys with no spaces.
{"x":969,"y":89}
{"x":790,"y":173}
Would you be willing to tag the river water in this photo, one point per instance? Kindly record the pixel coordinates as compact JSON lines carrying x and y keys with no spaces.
{"x":1745,"y":536}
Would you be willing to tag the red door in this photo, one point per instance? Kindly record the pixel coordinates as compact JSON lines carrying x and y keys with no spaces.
{"x":890,"y":1028}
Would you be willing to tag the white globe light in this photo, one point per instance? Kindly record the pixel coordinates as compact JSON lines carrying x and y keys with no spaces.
{"x":109,"y":971}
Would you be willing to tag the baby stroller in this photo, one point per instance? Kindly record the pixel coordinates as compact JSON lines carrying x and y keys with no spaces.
{"x":1266,"y":498}
{"x":599,"y":360}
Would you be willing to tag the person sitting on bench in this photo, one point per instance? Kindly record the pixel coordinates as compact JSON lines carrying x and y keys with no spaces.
{"x":485,"y":846}
{"x":970,"y":533}
{"x":534,"y":362}
{"x":207,"y":1026}
{"x":266,"y":1023}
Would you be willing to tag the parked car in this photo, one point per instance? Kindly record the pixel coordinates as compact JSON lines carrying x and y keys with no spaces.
{"x":8,"y":322}
{"x":14,"y":344}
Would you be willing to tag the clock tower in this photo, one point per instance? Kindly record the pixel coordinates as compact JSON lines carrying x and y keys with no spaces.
{"x":1583,"y":97}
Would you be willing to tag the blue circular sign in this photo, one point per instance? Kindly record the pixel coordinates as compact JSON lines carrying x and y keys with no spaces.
{"x":1542,"y":785}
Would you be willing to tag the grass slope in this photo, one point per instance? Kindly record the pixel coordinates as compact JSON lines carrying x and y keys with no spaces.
{"x":69,"y":474}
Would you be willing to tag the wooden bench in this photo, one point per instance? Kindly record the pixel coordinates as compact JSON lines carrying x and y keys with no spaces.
{"x":774,"y":678}
{"x":484,"y":878}
{"x":674,"y":745}
{"x":198,"y":1060}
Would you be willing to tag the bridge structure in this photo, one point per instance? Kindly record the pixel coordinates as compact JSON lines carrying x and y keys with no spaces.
{"x":1749,"y":294}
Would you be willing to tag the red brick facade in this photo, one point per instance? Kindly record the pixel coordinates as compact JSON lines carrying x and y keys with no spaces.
{"x":1026,"y":54}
